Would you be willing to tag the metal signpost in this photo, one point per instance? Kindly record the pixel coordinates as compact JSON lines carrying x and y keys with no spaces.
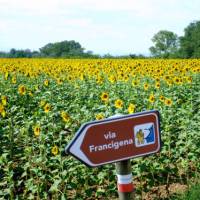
{"x":117,"y":139}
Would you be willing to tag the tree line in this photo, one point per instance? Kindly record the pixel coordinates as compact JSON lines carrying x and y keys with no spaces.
{"x":166,"y":44}
{"x":169,"y":45}
{"x":64,"y":49}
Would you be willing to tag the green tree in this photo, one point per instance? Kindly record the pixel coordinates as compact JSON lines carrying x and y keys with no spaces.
{"x":165,"y":44}
{"x":3,"y":54}
{"x":62,"y":49}
{"x":12,"y":53}
{"x":190,"y":42}
{"x":20,"y":53}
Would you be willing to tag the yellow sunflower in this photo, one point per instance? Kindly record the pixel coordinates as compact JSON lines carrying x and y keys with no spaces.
{"x":131,"y":108}
{"x":46,"y":82}
{"x":104,"y":96}
{"x":4,"y":100}
{"x":157,"y":85}
{"x":2,"y":110}
{"x":135,"y":83}
{"x":189,"y":79}
{"x":162,"y":98}
{"x":47,"y":108}
{"x":100,"y":116}
{"x":14,"y":80}
{"x":65,"y":116}
{"x":112,"y":79}
{"x":168,"y":102}
{"x":59,"y":81}
{"x":37,"y":130}
{"x":146,"y":86}
{"x":118,"y":103}
{"x":152,"y":98}
{"x":54,"y":150}
{"x":22,"y":90}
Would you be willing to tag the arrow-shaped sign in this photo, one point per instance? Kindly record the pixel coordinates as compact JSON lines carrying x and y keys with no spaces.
{"x":114,"y":139}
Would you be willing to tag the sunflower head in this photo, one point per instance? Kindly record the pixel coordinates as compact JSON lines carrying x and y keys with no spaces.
{"x":37,"y":130}
{"x":54,"y":150}
{"x":189,"y":79}
{"x":22,"y":90}
{"x":46,"y":82}
{"x":162,"y":98}
{"x":59,"y":81}
{"x":157,"y":85}
{"x":112,"y":79}
{"x":135,"y":83}
{"x":118,"y":103}
{"x":100,"y":116}
{"x":2,"y":110}
{"x":65,"y":116}
{"x":151,"y":98}
{"x":14,"y":80}
{"x":47,"y":108}
{"x":4,"y":100}
{"x":131,"y":108}
{"x":146,"y":86}
{"x":168,"y":102}
{"x":104,"y":97}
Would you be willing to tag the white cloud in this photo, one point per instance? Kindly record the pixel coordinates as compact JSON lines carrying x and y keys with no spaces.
{"x":43,"y":7}
{"x":139,"y":7}
{"x":29,"y":7}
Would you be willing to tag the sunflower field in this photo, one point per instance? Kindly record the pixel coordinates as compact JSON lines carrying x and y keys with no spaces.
{"x":43,"y":102}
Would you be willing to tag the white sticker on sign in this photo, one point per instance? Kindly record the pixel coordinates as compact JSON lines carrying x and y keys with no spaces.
{"x":144,"y":134}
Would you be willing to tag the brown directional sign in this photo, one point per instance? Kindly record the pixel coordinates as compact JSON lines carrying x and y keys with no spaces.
{"x":117,"y":138}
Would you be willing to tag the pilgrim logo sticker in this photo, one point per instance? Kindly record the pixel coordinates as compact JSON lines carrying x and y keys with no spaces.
{"x":144,"y":134}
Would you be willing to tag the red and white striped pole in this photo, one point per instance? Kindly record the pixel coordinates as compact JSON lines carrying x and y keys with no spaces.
{"x":124,"y":180}
{"x":124,"y":177}
{"x":124,"y":183}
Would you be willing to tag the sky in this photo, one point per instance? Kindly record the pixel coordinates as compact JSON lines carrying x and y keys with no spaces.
{"x":103,"y":26}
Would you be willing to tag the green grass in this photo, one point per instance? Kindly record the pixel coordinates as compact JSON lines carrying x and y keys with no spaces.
{"x":192,"y":194}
